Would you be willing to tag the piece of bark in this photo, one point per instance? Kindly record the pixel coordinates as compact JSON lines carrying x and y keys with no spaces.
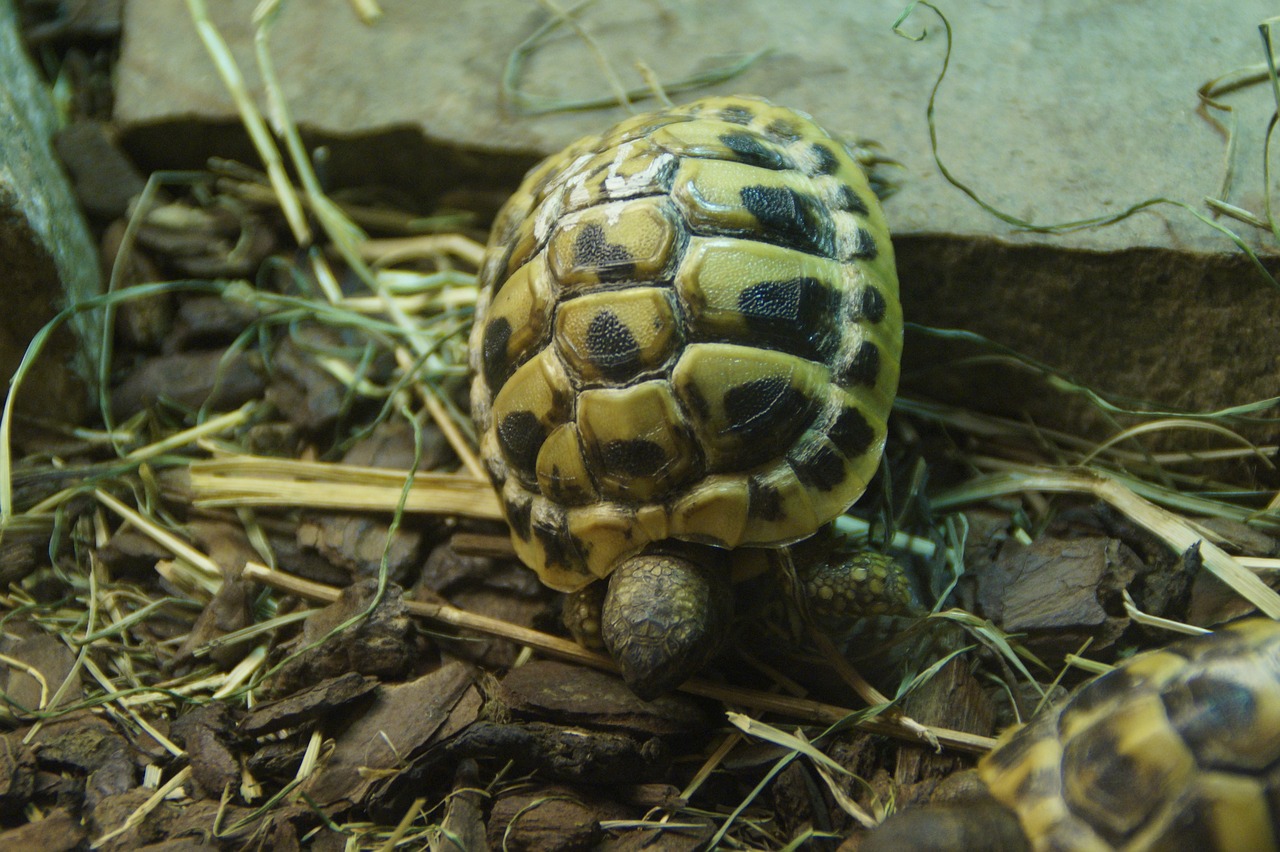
{"x":277,"y":761}
{"x":381,"y":643}
{"x":568,"y":694}
{"x":142,"y":323}
{"x":1213,"y":602}
{"x":575,"y":755}
{"x":1238,"y":538}
{"x":90,"y":746}
{"x":132,"y":555}
{"x":423,"y":775}
{"x":954,"y":699}
{"x":336,"y":695}
{"x":356,"y":542}
{"x":402,"y":718}
{"x":310,"y":397}
{"x":219,"y":380}
{"x":208,"y":322}
{"x":501,"y":589}
{"x":106,"y":180}
{"x":230,"y":609}
{"x":171,"y":825}
{"x":1060,"y":592}
{"x":17,"y":776}
{"x":463,"y":828}
{"x":391,"y":445}
{"x":55,"y":663}
{"x":212,"y":743}
{"x":57,"y":831}
{"x":548,"y":819}
{"x":288,"y":825}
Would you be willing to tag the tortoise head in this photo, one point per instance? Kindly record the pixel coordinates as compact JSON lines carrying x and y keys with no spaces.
{"x":665,"y":615}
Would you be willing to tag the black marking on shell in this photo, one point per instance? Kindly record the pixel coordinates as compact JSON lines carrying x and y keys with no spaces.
{"x":1039,"y":778}
{"x":1194,"y":828}
{"x":521,"y":435}
{"x":552,"y":531}
{"x":1206,"y":708}
{"x":634,"y":457}
{"x":864,"y":246}
{"x":1110,"y":686}
{"x":768,"y":410}
{"x":1122,"y":789}
{"x":863,"y":368}
{"x":592,"y":250}
{"x":825,"y":162}
{"x":795,"y":315}
{"x":697,"y":400}
{"x":789,"y":218}
{"x":851,"y":433}
{"x":518,"y":516}
{"x":1014,"y":752}
{"x":557,"y":489}
{"x":750,"y":149}
{"x":871,"y":304}
{"x":665,"y":177}
{"x":737,"y":115}
{"x":505,"y":264}
{"x":781,"y":130}
{"x":851,"y":201}
{"x":493,"y":353}
{"x":612,"y":347}
{"x":817,"y":465}
{"x":764,"y":501}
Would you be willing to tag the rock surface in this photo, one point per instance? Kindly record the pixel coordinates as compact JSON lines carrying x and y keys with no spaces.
{"x":1050,"y":112}
{"x":48,"y":258}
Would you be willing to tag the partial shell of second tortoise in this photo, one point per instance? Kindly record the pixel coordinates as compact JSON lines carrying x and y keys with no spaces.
{"x":688,"y":328}
{"x":1177,"y":748}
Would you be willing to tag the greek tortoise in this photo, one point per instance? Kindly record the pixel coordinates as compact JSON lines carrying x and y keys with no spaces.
{"x":1177,"y":748}
{"x":685,"y":349}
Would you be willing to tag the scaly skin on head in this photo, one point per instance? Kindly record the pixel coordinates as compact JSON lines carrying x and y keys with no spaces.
{"x":664,"y":617}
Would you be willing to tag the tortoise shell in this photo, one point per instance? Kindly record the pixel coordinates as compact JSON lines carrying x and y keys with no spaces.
{"x":1174,"y":749}
{"x":687,"y":328}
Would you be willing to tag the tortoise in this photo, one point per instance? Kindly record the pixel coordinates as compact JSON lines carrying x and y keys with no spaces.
{"x":1177,"y":748}
{"x":686,"y":346}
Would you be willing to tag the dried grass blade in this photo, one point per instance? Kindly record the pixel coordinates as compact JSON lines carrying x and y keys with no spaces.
{"x":259,"y":481}
{"x":761,"y":731}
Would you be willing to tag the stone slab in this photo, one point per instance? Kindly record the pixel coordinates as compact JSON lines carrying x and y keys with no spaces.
{"x":1051,"y":111}
{"x":46,"y":253}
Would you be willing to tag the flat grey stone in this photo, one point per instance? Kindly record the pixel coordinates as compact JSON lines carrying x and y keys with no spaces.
{"x":48,"y":258}
{"x":1052,"y":112}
